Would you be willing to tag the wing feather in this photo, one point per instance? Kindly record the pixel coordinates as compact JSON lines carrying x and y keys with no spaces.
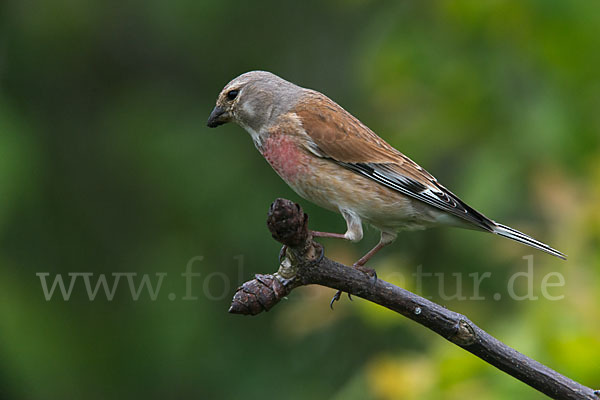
{"x":338,"y":135}
{"x":433,"y":193}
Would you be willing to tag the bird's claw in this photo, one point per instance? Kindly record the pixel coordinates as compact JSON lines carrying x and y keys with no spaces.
{"x":336,"y":297}
{"x":321,"y":256}
{"x":370,"y":272}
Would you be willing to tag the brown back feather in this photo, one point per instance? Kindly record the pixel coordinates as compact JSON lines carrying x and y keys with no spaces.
{"x":342,"y":137}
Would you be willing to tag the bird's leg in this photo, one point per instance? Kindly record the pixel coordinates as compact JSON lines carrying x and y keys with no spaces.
{"x":328,"y":234}
{"x":360,"y":264}
{"x":354,"y":233}
{"x":386,"y":238}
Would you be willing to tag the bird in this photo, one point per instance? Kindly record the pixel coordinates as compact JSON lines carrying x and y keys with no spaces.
{"x":330,"y":158}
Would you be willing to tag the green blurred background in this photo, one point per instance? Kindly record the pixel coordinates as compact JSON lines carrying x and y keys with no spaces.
{"x":106,"y":166}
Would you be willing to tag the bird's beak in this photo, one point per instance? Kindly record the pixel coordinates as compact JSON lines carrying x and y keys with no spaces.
{"x":217,"y":117}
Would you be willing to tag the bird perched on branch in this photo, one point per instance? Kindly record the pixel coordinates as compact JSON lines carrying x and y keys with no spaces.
{"x":331,"y":158}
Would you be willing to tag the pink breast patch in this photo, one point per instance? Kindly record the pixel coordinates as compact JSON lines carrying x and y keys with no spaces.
{"x":284,"y":155}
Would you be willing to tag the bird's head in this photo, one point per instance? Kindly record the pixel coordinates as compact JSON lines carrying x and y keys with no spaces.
{"x":254,"y":100}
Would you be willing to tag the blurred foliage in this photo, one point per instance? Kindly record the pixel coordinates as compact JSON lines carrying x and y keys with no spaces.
{"x":106,"y":166}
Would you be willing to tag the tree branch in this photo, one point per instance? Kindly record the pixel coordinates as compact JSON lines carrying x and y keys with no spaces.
{"x":303,"y":265}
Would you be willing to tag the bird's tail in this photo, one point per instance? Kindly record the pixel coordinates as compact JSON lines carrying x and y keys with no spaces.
{"x":514,"y":234}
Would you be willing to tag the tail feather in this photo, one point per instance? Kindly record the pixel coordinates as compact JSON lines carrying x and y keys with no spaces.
{"x":514,"y":234}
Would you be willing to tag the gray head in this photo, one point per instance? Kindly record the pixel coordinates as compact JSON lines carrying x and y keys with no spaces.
{"x":254,"y":100}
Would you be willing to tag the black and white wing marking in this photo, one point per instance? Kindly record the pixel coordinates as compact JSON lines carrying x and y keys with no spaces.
{"x":431,"y":193}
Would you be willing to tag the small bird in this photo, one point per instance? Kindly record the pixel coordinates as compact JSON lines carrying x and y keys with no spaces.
{"x":330,"y":158}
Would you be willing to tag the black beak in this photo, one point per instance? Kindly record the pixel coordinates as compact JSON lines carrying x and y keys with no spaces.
{"x":217,"y":117}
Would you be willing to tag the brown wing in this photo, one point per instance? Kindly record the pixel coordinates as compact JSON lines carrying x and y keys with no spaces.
{"x":339,"y":136}
{"x":342,"y":137}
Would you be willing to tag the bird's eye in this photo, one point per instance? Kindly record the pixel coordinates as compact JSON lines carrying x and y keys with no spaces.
{"x":232,"y":94}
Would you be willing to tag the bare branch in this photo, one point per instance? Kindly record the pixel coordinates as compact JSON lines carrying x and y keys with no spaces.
{"x":304,"y":266}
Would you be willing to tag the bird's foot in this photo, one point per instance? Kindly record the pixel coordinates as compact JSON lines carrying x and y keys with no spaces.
{"x":370,"y":272}
{"x":336,"y":297}
{"x":320,"y":257}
